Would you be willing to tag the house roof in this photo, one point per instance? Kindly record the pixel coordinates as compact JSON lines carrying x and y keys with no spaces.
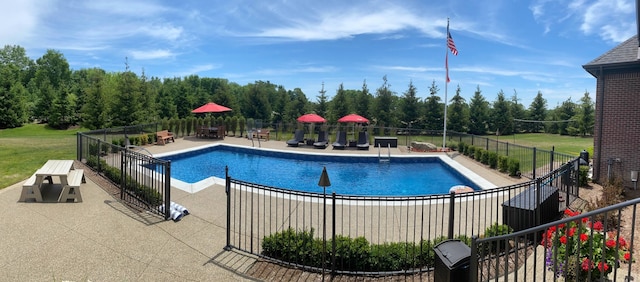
{"x":623,"y":56}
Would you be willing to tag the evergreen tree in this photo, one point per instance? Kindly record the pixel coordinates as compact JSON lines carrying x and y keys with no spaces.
{"x":586,"y":117}
{"x":518,"y":112}
{"x":501,"y":119}
{"x":565,"y":112}
{"x":363,"y":101}
{"x":322,"y":106}
{"x":339,"y":105}
{"x":51,"y":78}
{"x":478,"y":113}
{"x":458,"y":113}
{"x":384,"y":104}
{"x":12,"y":93}
{"x":410,"y":106}
{"x":94,"y":111}
{"x":434,"y":110}
{"x":537,"y":112}
{"x":126,"y":109}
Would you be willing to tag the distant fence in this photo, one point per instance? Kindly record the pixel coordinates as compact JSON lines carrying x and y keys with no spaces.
{"x":255,"y":212}
{"x":144,"y":181}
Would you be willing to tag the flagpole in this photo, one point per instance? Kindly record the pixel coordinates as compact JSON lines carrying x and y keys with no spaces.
{"x":446,"y":83}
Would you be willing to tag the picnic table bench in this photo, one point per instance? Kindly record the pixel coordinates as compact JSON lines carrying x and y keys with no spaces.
{"x":164,"y":136}
{"x":70,"y":180}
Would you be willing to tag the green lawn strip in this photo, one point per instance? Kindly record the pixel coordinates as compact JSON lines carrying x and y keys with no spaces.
{"x":23,"y":150}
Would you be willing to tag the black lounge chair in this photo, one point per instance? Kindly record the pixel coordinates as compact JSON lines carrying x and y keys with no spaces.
{"x":323,"y":140}
{"x":298,"y":137}
{"x":363,"y":140}
{"x":341,"y":140}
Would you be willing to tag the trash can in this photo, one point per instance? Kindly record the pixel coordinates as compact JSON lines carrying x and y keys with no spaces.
{"x":451,"y":261}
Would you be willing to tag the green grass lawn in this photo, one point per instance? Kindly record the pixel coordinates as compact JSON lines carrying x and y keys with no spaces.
{"x":571,"y":145}
{"x":23,"y":150}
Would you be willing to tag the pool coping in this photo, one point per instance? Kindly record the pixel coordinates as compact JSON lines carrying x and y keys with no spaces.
{"x":482,"y":183}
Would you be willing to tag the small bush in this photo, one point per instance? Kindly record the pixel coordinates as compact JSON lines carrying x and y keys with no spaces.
{"x":503,"y":163}
{"x":514,"y":167}
{"x":493,"y":160}
{"x":471,"y":151}
{"x":485,"y":157}
{"x":583,"y":176}
{"x":461,"y":147}
{"x":479,"y":152}
{"x":493,"y":231}
{"x":612,"y":193}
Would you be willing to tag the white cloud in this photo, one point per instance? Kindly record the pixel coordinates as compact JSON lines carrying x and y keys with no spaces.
{"x":19,"y":19}
{"x":151,"y":54}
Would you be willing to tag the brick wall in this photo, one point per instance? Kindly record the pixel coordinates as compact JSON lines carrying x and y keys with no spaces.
{"x":620,"y":145}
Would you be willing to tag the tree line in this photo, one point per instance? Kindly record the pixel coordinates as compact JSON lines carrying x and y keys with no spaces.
{"x":47,"y":90}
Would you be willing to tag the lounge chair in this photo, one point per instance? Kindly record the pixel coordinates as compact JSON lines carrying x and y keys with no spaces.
{"x":323,"y":140}
{"x":298,"y":137}
{"x":363,"y":140}
{"x":341,"y":140}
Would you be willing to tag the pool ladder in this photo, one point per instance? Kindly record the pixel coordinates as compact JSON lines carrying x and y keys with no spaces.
{"x":388,"y":157}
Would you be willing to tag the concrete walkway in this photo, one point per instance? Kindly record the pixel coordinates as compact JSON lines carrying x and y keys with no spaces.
{"x":101,"y":239}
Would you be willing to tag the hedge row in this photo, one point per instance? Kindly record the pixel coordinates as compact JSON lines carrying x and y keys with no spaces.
{"x":146,"y":194}
{"x":357,"y":254}
{"x":492,"y":159}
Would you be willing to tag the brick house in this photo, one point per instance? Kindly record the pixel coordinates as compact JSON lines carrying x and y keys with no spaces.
{"x":617,"y":117}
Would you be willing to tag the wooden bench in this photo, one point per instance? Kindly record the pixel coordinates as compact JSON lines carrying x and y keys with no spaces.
{"x":261,"y":134}
{"x":164,"y":136}
{"x":28,"y":192}
{"x":72,"y":189}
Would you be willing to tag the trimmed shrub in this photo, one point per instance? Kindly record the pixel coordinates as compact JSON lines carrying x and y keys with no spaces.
{"x":478,"y":154}
{"x":485,"y":157}
{"x":493,"y":160}
{"x":503,"y":163}
{"x":461,"y":147}
{"x":471,"y":151}
{"x":493,"y":231}
{"x":583,"y":176}
{"x":514,"y":167}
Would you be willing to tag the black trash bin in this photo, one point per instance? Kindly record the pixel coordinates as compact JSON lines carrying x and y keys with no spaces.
{"x":451,"y":261}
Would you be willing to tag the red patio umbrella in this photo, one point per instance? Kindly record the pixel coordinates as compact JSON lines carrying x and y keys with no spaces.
{"x":311,"y":118}
{"x":353,"y":118}
{"x":211,"y":107}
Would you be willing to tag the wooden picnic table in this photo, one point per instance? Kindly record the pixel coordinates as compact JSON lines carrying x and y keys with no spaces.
{"x":61,"y":169}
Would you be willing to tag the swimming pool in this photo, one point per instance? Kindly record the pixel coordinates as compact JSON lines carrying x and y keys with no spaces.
{"x":349,"y":174}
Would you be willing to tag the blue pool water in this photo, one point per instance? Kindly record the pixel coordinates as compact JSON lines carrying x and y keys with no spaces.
{"x":348,"y":175}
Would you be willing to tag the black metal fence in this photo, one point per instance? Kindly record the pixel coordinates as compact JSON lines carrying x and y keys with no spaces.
{"x":144,"y":181}
{"x":411,"y":226}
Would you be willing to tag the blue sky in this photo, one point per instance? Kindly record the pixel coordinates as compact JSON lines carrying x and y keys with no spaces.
{"x":526,"y":46}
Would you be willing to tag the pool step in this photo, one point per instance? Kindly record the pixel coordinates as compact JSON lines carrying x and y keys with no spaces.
{"x":386,"y":159}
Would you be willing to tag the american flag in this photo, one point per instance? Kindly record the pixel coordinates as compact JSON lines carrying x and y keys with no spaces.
{"x":450,"y":44}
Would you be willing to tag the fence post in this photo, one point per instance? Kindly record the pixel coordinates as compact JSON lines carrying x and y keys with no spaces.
{"x":333,"y":233}
{"x":507,"y":153}
{"x":227,"y":191}
{"x":534,"y":164}
{"x":452,"y":198}
{"x":553,"y":149}
{"x":486,"y":145}
{"x":167,"y":190}
{"x":473,"y":261}
{"x":123,"y":159}
{"x":537,"y":203}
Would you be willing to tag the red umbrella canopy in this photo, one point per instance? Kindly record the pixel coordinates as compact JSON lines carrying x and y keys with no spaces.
{"x":211,"y":107}
{"x":311,"y":118}
{"x":353,"y":118}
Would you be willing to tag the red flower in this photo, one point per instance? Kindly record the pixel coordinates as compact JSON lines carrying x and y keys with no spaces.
{"x":627,"y":256}
{"x":584,"y":237}
{"x":622,"y":242}
{"x":563,"y":239}
{"x":610,"y":243}
{"x":603,"y":267}
{"x":570,"y":213}
{"x":585,"y":219}
{"x":586,"y":264}
{"x":561,"y":226}
{"x":598,"y":226}
{"x":572,"y":231}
